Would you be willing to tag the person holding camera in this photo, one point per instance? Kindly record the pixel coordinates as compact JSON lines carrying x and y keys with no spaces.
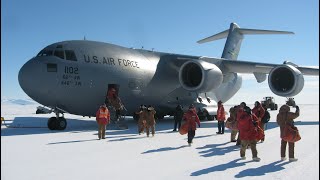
{"x":286,"y":117}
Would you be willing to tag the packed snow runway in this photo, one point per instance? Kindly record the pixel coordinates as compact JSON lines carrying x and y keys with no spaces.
{"x":30,"y":151}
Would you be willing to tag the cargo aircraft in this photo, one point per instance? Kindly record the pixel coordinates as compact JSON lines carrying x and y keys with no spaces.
{"x":74,"y":76}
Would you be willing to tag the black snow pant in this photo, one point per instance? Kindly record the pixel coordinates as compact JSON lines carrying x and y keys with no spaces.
{"x":191,"y":135}
{"x":221,"y":127}
{"x":177,"y":122}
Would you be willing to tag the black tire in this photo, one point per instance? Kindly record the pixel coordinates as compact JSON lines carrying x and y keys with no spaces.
{"x":159,"y":116}
{"x":135,"y":116}
{"x":210,"y":117}
{"x":201,"y":117}
{"x":61,"y":123}
{"x":272,"y":107}
{"x":52,"y":123}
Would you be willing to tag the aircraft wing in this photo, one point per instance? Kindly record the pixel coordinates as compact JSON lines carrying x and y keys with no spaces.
{"x":249,"y":67}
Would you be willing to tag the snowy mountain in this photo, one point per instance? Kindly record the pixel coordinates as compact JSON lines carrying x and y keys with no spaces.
{"x":7,"y":101}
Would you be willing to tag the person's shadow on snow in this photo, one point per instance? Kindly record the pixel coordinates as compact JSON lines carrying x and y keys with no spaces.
{"x":164,"y":149}
{"x":221,"y":167}
{"x":260,"y":171}
{"x":216,"y":150}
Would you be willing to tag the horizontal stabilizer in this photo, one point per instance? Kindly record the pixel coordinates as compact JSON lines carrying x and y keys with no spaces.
{"x":220,"y":35}
{"x":234,"y":36}
{"x":242,"y":31}
{"x":258,"y":31}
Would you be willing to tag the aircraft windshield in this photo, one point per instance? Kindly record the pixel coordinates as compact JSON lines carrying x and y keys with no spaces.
{"x":67,"y":54}
{"x":45,"y":53}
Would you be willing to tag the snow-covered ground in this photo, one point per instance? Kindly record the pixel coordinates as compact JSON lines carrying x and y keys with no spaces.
{"x":30,"y":151}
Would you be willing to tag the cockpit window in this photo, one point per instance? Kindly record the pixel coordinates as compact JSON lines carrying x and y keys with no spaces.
{"x":59,"y":54}
{"x":70,"y":55}
{"x":51,"y":67}
{"x":45,"y":53}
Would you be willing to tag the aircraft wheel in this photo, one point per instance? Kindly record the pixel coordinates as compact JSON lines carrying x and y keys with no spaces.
{"x":159,"y":116}
{"x":210,"y":117}
{"x":39,"y":111}
{"x":61,"y":123}
{"x":52,"y":123}
{"x":135,"y":116}
{"x":201,"y":117}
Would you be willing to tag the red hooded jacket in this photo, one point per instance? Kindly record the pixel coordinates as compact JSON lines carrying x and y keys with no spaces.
{"x":245,"y":125}
{"x":103,"y":116}
{"x":221,"y":114}
{"x":191,"y":118}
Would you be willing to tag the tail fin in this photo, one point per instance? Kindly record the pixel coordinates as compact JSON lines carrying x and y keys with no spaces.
{"x":234,"y":38}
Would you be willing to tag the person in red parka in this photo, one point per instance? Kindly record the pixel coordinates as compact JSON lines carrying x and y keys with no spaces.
{"x":102,"y":118}
{"x":191,"y":118}
{"x":259,"y":111}
{"x":246,"y":125}
{"x":286,"y":117}
{"x":239,"y":112}
{"x":221,"y":117}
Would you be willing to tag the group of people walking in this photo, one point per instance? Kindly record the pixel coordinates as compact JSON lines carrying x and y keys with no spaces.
{"x":248,"y":123}
{"x":250,"y":126}
{"x":146,"y":120}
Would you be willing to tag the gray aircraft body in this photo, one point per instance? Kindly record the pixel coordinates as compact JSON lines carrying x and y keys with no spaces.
{"x":74,"y":76}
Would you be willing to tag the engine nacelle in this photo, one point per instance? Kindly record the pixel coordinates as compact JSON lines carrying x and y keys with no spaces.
{"x":285,"y":80}
{"x":200,"y":76}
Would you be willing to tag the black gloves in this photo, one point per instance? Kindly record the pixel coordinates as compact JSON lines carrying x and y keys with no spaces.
{"x":297,"y":107}
{"x":254,"y":123}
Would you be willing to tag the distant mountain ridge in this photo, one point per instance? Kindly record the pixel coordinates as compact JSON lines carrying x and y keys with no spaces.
{"x":18,"y":101}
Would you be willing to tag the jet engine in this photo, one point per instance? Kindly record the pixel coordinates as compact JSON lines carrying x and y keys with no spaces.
{"x":200,"y":76}
{"x":285,"y":80}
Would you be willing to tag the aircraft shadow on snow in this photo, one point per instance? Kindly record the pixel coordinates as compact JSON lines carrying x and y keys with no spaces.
{"x":38,"y":125}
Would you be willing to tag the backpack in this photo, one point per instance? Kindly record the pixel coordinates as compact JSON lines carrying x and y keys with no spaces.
{"x":266,"y":117}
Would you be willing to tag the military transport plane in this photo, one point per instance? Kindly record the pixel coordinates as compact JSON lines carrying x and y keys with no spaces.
{"x":74,"y":76}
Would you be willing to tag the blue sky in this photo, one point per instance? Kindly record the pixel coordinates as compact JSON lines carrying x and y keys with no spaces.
{"x":167,"y":26}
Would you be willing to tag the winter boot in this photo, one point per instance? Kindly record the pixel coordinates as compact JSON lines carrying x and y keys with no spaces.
{"x":293,"y":159}
{"x":256,"y":159}
{"x":283,"y":158}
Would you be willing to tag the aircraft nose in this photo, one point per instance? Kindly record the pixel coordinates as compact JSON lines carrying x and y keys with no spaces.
{"x":27,"y":77}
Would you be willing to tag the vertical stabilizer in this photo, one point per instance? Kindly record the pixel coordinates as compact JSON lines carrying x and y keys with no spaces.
{"x":233,"y":43}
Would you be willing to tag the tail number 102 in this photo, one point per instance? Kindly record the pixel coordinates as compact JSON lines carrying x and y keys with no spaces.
{"x":71,"y":70}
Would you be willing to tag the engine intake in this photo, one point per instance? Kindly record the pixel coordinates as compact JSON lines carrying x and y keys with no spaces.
{"x":200,"y":76}
{"x":285,"y":80}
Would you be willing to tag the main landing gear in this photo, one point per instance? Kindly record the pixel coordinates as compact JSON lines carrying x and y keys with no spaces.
{"x":57,"y":123}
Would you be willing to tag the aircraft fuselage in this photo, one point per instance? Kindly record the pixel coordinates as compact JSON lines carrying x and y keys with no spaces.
{"x":78,"y":83}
